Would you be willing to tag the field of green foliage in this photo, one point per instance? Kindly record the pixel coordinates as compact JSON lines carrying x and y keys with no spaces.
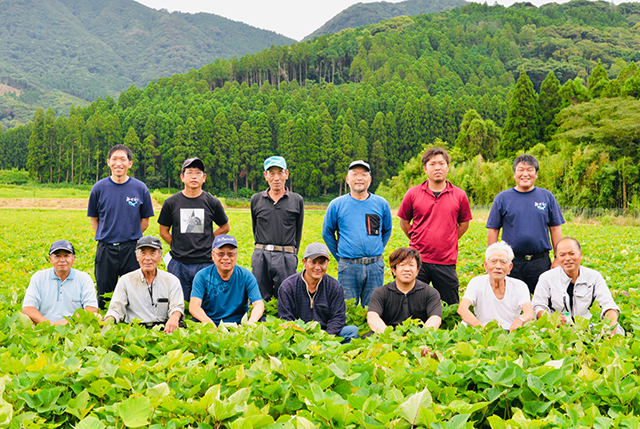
{"x":286,"y":375}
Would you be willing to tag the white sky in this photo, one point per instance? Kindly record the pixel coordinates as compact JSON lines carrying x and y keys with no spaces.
{"x":292,"y":18}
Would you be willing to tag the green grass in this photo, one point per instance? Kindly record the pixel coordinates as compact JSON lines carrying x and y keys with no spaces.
{"x":44,"y":191}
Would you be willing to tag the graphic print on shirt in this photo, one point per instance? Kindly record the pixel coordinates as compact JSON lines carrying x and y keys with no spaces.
{"x":192,"y":221}
{"x":541,"y":206}
{"x":133,"y":201}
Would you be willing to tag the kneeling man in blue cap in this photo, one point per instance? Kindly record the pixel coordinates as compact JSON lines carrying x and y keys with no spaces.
{"x":220,"y":292}
{"x":312,"y":295}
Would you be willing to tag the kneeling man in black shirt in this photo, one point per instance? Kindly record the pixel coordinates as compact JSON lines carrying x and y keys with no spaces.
{"x":406,"y":297}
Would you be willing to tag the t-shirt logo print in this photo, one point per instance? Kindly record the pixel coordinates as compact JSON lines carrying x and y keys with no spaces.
{"x":541,"y":206}
{"x":191,"y":221}
{"x":133,"y":201}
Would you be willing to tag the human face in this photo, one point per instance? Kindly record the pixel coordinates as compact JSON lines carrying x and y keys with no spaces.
{"x":62,"y":262}
{"x":225,"y":258}
{"x":193,"y":178}
{"x":570,"y":257}
{"x":498,"y":265}
{"x":358,"y":179}
{"x":437,"y":169}
{"x":406,"y":271}
{"x":119,"y":164}
{"x":276,"y":178}
{"x":315,"y":269}
{"x":148,"y":258}
{"x":525,"y":176}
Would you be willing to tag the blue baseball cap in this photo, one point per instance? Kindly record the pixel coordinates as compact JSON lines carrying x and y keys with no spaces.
{"x":62,"y":245}
{"x":275,"y":161}
{"x":223,"y":240}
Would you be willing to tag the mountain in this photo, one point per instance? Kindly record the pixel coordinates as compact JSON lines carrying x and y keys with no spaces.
{"x":361,"y":14}
{"x":89,"y":49}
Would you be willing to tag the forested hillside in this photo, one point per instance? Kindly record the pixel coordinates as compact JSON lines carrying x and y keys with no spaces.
{"x":381,"y":93}
{"x":87,"y":49}
{"x":361,"y":14}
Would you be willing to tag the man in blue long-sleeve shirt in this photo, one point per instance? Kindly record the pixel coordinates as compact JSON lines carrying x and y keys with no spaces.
{"x":312,"y":295}
{"x":357,"y":227}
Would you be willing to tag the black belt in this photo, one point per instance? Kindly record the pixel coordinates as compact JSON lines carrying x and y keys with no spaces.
{"x":364,"y":261}
{"x":531,"y":257}
{"x":118,"y":244}
{"x":275,"y":248}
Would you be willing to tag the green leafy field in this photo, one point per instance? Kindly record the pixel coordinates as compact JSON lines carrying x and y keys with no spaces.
{"x":284,"y":375}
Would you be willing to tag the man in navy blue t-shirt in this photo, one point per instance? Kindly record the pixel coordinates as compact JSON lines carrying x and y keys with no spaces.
{"x":119,"y":209}
{"x":528,"y":216}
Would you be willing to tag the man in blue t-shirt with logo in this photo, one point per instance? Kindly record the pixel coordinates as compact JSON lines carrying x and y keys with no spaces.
{"x":528,"y":216}
{"x":220,"y":292}
{"x":119,"y":209}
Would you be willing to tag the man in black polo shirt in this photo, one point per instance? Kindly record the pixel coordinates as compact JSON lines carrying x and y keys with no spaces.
{"x":406,"y":297}
{"x":277,"y":216}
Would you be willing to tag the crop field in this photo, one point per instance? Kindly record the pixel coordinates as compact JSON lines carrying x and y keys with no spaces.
{"x":290,"y":375}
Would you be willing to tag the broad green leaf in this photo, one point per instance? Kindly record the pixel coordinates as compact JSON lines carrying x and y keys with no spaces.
{"x":80,"y":406}
{"x":90,"y":423}
{"x":410,"y":409}
{"x":496,"y":422}
{"x":302,"y":423}
{"x":134,"y":411}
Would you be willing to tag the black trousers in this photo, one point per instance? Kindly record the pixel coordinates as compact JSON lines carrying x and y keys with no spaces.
{"x":529,"y":271}
{"x":113,"y":261}
{"x":444,"y":279}
{"x":270,"y":269}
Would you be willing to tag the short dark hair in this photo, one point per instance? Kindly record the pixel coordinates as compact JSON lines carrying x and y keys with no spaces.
{"x":526,"y":159}
{"x":434,"y":151}
{"x":575,"y":241}
{"x":402,"y":254}
{"x":122,"y":148}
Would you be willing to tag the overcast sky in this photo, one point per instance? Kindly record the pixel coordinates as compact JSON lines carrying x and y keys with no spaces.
{"x":292,"y":18}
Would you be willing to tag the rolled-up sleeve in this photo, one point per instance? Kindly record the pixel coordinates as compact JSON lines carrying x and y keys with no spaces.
{"x":119,"y":300}
{"x":541,"y":296}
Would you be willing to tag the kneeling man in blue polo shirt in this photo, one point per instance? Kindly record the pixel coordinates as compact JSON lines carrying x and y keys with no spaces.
{"x":313,"y":295}
{"x":57,"y":292}
{"x":220,"y":292}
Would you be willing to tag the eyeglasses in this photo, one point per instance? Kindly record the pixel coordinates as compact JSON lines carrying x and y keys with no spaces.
{"x":231,"y":254}
{"x":193,"y":173}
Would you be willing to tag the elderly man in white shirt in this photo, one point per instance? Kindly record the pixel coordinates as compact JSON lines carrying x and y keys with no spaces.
{"x":148,"y":294}
{"x":571,"y":289}
{"x":495,"y":296}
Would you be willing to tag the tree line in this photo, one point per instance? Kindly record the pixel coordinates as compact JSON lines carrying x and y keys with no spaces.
{"x":379,"y":93}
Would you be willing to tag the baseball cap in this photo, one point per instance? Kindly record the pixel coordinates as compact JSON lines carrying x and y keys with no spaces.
{"x":223,"y":240}
{"x":62,"y":245}
{"x":360,"y":163}
{"x":194,"y":163}
{"x":149,"y":241}
{"x":275,"y":161}
{"x":315,"y":250}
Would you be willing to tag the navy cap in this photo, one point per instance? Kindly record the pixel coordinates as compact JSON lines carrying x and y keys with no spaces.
{"x":62,"y":245}
{"x":275,"y":161}
{"x":194,"y":163}
{"x":149,"y":241}
{"x":360,"y":163}
{"x":223,"y":240}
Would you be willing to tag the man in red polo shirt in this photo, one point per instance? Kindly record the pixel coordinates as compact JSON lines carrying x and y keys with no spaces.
{"x":434,"y":215}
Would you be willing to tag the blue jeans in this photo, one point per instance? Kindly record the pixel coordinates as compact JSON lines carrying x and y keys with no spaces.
{"x":348,"y":333}
{"x":185,"y":273}
{"x":360,"y":280}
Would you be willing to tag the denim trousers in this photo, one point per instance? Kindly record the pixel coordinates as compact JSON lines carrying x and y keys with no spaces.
{"x":360,"y":280}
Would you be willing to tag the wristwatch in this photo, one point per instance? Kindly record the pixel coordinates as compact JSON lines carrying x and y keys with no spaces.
{"x":522,"y":320}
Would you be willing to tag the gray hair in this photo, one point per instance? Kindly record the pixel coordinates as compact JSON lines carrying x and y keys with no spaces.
{"x":500,"y":246}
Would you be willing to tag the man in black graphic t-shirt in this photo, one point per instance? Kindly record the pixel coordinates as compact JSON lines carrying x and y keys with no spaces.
{"x":186,"y":223}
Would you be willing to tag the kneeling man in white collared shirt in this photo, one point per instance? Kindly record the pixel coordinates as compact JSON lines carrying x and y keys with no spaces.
{"x":572,"y":289}
{"x":148,"y":293}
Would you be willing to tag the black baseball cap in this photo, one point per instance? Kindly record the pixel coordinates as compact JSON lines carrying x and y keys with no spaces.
{"x":149,"y":241}
{"x":194,"y":163}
